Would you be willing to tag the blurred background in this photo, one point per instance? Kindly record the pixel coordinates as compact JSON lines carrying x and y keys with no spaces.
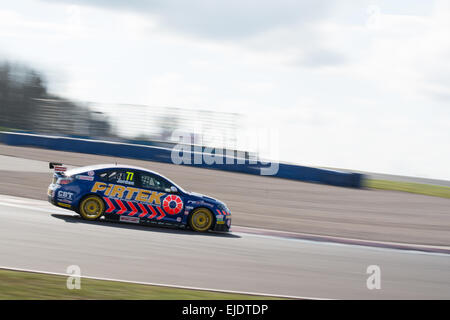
{"x":360,"y":85}
{"x":27,"y":106}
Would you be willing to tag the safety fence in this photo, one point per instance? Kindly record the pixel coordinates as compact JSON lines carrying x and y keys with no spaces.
{"x":234,"y":162}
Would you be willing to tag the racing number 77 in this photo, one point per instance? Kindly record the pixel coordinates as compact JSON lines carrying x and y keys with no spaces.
{"x":129,"y":176}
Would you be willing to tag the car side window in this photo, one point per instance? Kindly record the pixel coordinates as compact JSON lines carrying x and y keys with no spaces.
{"x":154,"y":182}
{"x":108,"y":176}
{"x":120,"y":176}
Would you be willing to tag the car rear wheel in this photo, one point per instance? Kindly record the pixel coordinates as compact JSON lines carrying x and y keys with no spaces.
{"x":91,"y":208}
{"x":201,"y":220}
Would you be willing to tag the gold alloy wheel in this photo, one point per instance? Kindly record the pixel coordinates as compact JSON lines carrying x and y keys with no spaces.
{"x":92,"y":208}
{"x":201,"y":220}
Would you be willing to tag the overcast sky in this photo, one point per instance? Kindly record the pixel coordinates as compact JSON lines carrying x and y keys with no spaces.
{"x":351,"y":84}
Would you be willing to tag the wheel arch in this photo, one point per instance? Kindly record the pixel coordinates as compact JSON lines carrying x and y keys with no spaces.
{"x":82,"y":197}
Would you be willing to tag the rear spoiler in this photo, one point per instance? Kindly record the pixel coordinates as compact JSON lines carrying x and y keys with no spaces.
{"x":58,"y":167}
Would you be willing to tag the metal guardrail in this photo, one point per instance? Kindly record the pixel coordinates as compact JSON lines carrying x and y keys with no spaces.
{"x":124,"y":122}
{"x":160,"y":154}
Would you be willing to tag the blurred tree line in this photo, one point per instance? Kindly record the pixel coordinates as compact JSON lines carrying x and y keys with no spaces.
{"x":26,"y":105}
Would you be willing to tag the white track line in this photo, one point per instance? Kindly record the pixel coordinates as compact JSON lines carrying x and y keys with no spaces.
{"x":164,"y":285}
{"x":332,"y":240}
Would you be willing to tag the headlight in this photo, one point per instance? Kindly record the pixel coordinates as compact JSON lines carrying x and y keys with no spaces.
{"x":222,"y":206}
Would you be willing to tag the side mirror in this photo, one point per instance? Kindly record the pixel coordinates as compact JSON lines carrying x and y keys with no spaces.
{"x":173,"y":189}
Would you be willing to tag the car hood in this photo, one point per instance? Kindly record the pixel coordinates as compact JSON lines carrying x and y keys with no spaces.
{"x":200,"y":196}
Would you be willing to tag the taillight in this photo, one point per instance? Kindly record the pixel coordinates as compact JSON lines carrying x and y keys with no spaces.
{"x":64,"y":180}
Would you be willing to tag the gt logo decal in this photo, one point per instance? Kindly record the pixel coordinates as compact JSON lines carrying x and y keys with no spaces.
{"x":172,"y":204}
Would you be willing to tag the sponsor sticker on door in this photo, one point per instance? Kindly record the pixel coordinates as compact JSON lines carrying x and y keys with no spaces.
{"x":129,"y":219}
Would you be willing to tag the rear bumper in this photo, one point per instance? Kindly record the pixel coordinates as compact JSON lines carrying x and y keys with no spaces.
{"x":52,"y":199}
{"x":51,"y":193}
{"x":59,"y":204}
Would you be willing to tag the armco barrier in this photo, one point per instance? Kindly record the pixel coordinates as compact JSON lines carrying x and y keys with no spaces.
{"x":160,"y":154}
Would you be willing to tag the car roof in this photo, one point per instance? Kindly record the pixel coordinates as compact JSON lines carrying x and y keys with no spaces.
{"x":106,"y":166}
{"x":79,"y":170}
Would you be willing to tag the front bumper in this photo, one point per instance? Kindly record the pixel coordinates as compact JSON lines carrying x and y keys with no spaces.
{"x":223,"y":224}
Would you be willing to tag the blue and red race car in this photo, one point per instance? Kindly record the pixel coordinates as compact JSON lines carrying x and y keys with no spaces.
{"x":135,"y":195}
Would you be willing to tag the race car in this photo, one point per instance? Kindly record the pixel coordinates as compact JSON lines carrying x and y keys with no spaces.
{"x":134,"y":195}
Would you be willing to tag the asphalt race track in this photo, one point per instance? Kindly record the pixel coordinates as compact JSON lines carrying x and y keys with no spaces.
{"x":36,"y":235}
{"x":264,"y":202}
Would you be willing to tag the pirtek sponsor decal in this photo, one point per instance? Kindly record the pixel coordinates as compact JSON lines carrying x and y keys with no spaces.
{"x":128,"y":193}
{"x":149,"y":205}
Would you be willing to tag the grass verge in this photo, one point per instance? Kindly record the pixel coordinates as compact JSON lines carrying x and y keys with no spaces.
{"x":36,"y":286}
{"x":426,"y":189}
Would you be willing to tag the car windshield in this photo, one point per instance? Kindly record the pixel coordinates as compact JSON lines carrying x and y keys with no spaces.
{"x":175,"y":185}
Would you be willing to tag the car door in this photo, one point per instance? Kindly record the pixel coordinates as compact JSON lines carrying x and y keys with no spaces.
{"x":168,"y":205}
{"x":121,"y":189}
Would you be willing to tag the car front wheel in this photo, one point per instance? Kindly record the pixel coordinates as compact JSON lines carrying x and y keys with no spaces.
{"x":201,"y":220}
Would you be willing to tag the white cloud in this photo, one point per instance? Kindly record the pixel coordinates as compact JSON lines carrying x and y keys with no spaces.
{"x":228,"y":19}
{"x":347,"y":86}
